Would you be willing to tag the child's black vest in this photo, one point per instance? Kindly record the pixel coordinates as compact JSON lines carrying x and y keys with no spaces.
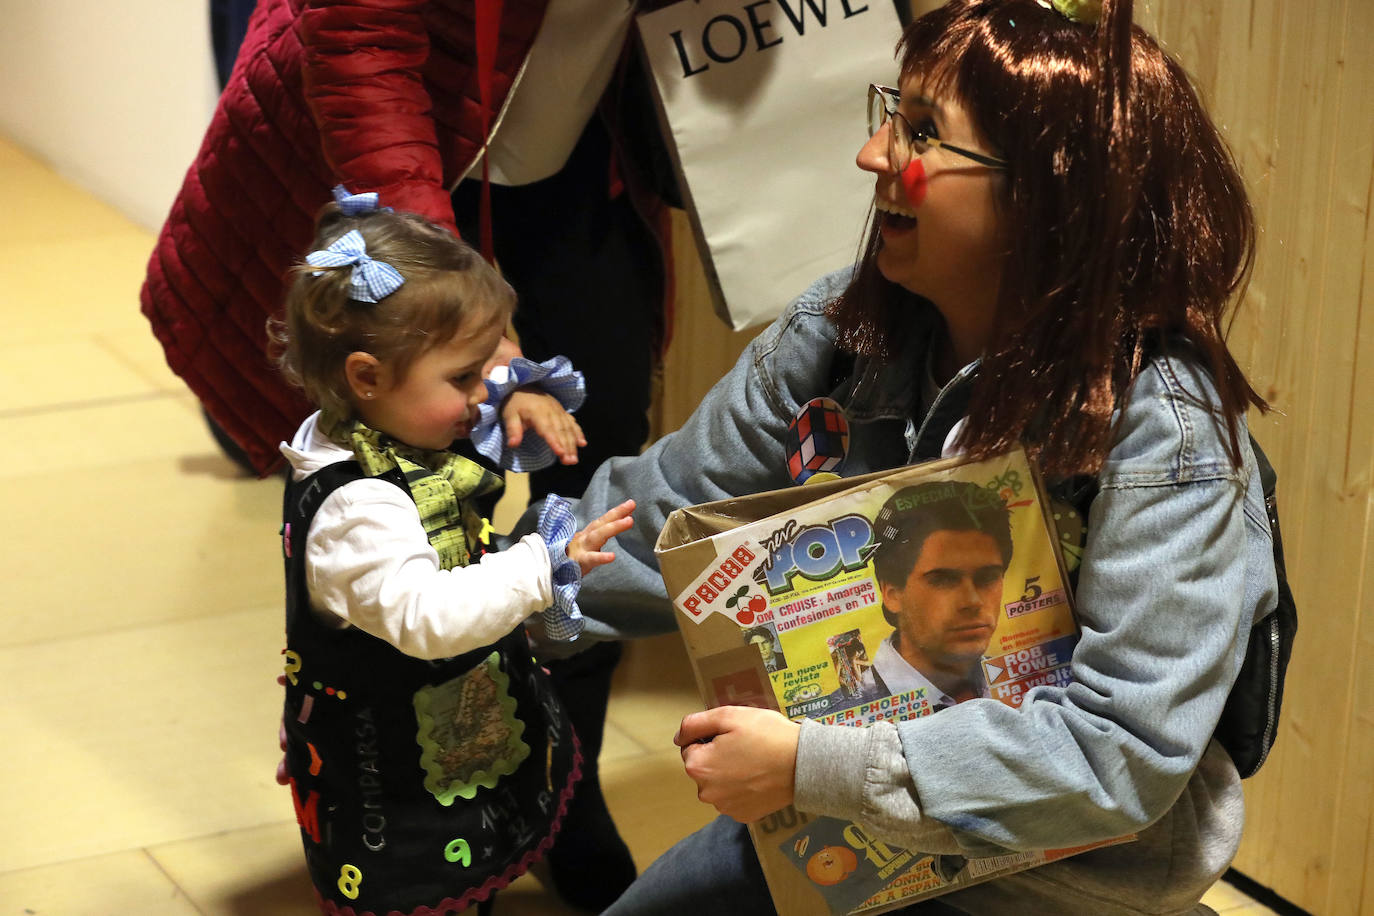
{"x":416,"y":783}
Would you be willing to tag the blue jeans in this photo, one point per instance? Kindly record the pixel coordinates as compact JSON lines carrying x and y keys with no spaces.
{"x":715,"y":871}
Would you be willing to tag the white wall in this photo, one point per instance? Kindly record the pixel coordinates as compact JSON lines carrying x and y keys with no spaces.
{"x":115,"y":95}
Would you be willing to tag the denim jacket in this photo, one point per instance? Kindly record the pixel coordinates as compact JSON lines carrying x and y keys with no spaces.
{"x":1177,"y":565}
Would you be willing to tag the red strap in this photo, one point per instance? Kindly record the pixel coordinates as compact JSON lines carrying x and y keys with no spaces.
{"x":487,"y":22}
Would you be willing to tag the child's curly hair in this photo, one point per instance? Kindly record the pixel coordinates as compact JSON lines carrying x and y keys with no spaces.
{"x":447,"y":286}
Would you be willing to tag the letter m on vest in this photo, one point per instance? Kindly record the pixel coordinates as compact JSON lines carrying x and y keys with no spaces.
{"x":308,"y":814}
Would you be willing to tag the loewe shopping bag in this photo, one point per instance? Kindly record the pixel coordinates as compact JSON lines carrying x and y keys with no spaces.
{"x":763,"y":103}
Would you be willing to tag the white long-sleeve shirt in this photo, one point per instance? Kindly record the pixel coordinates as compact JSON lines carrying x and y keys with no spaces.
{"x":369,"y":564}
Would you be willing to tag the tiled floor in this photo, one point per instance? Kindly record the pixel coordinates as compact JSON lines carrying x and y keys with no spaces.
{"x":143,"y":609}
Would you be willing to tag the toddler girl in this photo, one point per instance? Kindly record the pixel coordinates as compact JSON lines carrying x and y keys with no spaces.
{"x":429,"y":761}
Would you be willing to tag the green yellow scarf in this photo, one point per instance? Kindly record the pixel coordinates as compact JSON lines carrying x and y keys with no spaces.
{"x":441,"y":483}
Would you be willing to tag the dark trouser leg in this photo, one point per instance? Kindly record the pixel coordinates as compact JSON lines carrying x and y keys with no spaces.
{"x":589,"y":279}
{"x":589,"y":862}
{"x":588,"y":275}
{"x":716,"y":870}
{"x":228,"y":25}
{"x":231,"y":449}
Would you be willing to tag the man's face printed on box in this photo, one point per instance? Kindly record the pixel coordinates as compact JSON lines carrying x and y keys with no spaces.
{"x":949,"y":604}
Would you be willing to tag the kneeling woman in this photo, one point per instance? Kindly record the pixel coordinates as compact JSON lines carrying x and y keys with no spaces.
{"x":1058,"y":231}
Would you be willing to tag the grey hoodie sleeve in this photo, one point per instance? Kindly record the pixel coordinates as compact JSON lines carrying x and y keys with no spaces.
{"x":732,"y":445}
{"x":861,"y":775}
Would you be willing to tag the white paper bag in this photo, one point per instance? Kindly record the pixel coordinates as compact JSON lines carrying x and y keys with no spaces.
{"x":764,"y":104}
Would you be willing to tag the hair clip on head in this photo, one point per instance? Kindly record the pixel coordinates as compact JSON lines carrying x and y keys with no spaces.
{"x":357,"y":204}
{"x":1084,"y":12}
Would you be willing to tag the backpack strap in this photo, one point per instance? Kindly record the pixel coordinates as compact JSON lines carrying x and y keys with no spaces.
{"x":1249,"y":722}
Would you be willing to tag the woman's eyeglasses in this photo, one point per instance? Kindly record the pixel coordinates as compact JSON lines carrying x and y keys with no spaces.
{"x":904,"y":141}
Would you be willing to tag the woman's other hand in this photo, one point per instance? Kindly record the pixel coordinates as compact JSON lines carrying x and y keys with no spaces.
{"x":742,"y":759}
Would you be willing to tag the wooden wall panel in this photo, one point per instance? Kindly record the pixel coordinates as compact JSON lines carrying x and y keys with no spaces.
{"x":702,"y":348}
{"x":1292,"y":87}
{"x":1294,"y":97}
{"x":1346,"y":278}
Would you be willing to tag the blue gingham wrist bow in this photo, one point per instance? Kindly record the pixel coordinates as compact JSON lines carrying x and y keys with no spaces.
{"x":553,"y":376}
{"x":372,"y":280}
{"x":562,"y":622}
{"x":356,"y":204}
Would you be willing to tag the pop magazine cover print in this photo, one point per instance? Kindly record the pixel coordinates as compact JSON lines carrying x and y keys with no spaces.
{"x":899,"y":599}
{"x":891,"y":600}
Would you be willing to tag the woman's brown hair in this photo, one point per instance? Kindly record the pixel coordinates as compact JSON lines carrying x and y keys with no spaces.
{"x":1129,"y":224}
{"x":447,"y":287}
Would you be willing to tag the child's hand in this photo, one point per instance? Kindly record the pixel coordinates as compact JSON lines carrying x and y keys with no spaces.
{"x":541,"y":413}
{"x":585,"y":546}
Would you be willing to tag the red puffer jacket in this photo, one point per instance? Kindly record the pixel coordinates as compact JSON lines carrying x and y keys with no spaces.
{"x":379,"y":95}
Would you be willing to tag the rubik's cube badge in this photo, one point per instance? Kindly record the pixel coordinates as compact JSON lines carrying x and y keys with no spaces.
{"x":817,"y":439}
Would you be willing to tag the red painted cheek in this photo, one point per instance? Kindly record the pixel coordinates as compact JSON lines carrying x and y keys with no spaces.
{"x":914,"y":182}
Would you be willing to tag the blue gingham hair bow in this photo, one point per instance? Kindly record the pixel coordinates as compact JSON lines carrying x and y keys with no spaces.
{"x":356,"y":204}
{"x":372,"y":281}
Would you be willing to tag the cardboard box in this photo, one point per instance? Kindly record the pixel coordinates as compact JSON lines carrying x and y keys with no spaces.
{"x":781,"y":601}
